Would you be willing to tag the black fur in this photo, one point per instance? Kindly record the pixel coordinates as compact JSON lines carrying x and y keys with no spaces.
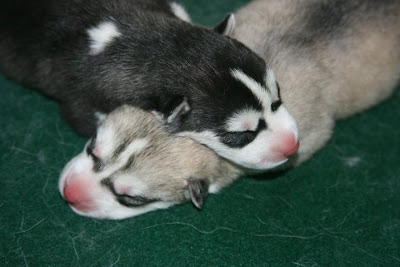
{"x":157,"y":59}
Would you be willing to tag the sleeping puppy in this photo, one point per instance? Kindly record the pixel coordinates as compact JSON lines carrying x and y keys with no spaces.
{"x":333,"y":58}
{"x":132,"y":166}
{"x":95,"y":55}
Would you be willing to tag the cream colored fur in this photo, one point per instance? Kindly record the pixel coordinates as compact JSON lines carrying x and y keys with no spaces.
{"x":322,"y":79}
{"x":332,"y":77}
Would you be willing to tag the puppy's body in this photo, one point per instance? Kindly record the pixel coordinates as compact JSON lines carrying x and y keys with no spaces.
{"x":332,"y":58}
{"x":96,"y":55}
{"x":133,"y":166}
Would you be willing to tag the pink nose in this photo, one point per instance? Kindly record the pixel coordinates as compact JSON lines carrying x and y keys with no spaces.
{"x":292,"y":150}
{"x":76,"y":193}
{"x":287,"y":145}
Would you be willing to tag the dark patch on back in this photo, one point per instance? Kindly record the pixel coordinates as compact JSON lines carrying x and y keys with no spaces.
{"x":329,"y":16}
{"x":328,"y":19}
{"x":322,"y":20}
{"x":157,"y":58}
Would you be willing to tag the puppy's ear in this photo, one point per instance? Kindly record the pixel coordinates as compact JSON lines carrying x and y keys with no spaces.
{"x":227,"y":26}
{"x":181,"y":108}
{"x":198,"y":190}
{"x":173,"y":111}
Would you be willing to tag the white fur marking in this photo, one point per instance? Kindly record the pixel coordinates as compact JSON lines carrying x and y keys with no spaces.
{"x":257,"y":89}
{"x":101,"y":36}
{"x":245,"y":120}
{"x":134,"y":147}
{"x":105,"y":140}
{"x":271,"y":83}
{"x":214,"y":188}
{"x":180,"y":11}
{"x":136,"y":186}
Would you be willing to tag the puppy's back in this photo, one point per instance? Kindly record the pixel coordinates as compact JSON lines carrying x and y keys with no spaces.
{"x":331,"y":58}
{"x":352,"y":48}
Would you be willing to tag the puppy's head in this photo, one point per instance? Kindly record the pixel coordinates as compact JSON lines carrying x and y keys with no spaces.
{"x":247,"y":123}
{"x":204,"y":85}
{"x":231,"y":103}
{"x":133,"y":166}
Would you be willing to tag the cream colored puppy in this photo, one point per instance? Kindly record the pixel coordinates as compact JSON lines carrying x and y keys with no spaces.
{"x":332,"y":58}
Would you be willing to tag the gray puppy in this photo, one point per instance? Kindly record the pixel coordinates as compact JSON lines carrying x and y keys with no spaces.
{"x":133,"y":166}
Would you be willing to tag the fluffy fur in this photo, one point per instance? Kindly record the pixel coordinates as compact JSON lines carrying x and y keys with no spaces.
{"x":332,"y":58}
{"x":133,"y":166}
{"x":95,"y":55}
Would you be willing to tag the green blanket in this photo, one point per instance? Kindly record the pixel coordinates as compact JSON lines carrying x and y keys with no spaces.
{"x":341,"y":208}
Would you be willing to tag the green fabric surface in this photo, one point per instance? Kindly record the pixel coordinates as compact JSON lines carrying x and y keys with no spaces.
{"x":341,"y":208}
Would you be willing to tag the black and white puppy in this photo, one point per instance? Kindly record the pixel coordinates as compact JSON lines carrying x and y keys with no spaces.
{"x":95,"y":55}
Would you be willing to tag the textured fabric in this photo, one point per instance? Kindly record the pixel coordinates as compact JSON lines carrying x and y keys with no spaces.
{"x":342,"y":207}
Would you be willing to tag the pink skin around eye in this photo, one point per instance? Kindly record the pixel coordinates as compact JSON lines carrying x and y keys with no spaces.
{"x":124,"y":190}
{"x":247,"y":125}
{"x":97,"y":151}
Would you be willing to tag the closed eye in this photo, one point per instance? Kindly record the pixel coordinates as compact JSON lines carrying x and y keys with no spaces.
{"x":133,"y":201}
{"x":241,"y":139}
{"x":98,"y":164}
{"x":90,"y":147}
{"x":127,"y":200}
{"x":238,"y":139}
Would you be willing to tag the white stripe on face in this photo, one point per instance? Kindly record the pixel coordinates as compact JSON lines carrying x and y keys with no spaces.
{"x":134,"y":147}
{"x":271,"y":84}
{"x":107,"y":141}
{"x":244,"y":120}
{"x":259,"y":91}
{"x":102,"y":35}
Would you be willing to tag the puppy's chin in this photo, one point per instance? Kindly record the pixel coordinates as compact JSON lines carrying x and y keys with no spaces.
{"x":112,"y":210}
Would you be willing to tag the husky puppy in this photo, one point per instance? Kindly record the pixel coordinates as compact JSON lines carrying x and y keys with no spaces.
{"x":132,"y":166}
{"x":332,"y":58}
{"x":95,"y":55}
